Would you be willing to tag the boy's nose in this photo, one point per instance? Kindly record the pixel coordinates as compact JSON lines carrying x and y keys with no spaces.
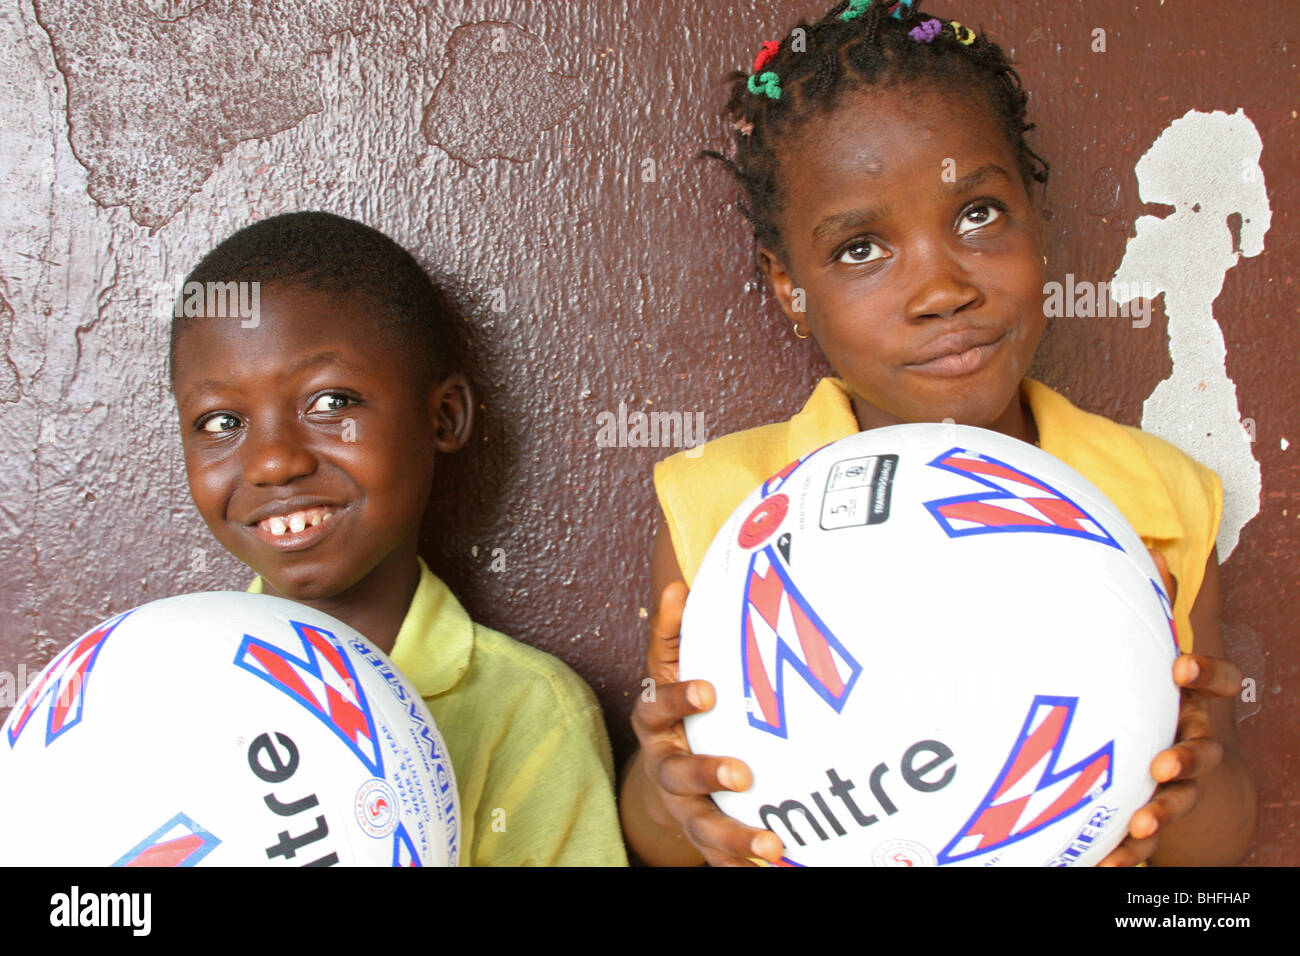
{"x":276,"y":457}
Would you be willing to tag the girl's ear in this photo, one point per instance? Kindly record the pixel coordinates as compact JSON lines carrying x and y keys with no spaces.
{"x":451,"y":410}
{"x":1037,"y":202}
{"x":782,"y":283}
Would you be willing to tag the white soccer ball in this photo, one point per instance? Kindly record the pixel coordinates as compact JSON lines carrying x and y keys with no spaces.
{"x":933,"y":644}
{"x":224,"y":728}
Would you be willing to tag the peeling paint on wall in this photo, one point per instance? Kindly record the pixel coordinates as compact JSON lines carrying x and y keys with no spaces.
{"x":159,"y":93}
{"x":1205,"y":165}
{"x":497,"y":97}
{"x":10,"y":389}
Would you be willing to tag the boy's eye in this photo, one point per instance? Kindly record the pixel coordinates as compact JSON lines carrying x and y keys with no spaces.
{"x":330,"y":402}
{"x":859,"y":251}
{"x":977,"y":216}
{"x":221,"y":422}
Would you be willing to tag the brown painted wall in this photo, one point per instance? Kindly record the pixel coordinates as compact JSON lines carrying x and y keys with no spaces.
{"x":507,"y":144}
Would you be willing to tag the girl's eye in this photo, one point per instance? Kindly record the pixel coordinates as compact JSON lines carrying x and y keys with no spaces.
{"x":330,"y":402}
{"x":221,"y":422}
{"x":859,"y":251}
{"x":978,"y":216}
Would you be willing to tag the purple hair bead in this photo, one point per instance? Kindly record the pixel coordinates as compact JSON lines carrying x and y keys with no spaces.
{"x":926,"y":30}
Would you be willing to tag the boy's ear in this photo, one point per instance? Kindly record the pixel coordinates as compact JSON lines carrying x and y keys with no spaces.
{"x":783,"y":286}
{"x":451,"y":410}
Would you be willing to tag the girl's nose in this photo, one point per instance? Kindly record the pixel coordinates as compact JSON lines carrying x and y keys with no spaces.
{"x":941,"y":288}
{"x":276,"y":455}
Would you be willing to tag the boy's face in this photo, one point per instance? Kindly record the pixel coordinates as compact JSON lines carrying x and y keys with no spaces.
{"x":309,"y":442}
{"x":918,"y":252}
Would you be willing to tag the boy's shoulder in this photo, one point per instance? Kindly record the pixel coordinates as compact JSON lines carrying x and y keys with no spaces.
{"x":448,"y":656}
{"x":525,"y":733}
{"x":530,"y":673}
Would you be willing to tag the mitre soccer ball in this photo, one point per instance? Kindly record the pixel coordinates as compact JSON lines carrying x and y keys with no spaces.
{"x":933,"y":645}
{"x":224,"y":728}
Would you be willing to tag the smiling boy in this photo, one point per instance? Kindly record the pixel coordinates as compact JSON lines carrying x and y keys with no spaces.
{"x":310,"y":438}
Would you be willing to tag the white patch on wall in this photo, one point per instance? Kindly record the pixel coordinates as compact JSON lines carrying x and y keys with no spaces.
{"x":1205,"y":165}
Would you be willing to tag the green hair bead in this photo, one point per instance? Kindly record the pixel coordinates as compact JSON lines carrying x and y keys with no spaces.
{"x":766,"y":83}
{"x":855,"y":10}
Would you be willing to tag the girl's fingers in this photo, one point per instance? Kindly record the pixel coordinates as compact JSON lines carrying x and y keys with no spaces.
{"x":662,"y":706}
{"x":1187,"y":759}
{"x":1209,"y":675}
{"x":1131,"y":852}
{"x":1162,"y":566}
{"x":726,"y":842}
{"x":665,"y":630}
{"x":1167,"y":805}
{"x":1194,"y":718}
{"x":695,"y":775}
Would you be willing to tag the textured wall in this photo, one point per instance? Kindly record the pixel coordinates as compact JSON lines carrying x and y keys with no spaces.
{"x":539,"y":158}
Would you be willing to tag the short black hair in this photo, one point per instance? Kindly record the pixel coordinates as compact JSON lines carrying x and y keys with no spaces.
{"x":856,"y":45}
{"x":329,"y":253}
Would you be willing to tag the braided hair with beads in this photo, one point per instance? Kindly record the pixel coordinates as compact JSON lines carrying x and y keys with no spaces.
{"x":859,"y":44}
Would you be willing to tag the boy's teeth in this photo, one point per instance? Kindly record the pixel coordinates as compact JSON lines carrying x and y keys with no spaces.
{"x":296,"y":521}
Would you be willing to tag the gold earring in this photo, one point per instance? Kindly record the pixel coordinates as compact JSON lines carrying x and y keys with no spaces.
{"x":797,"y":333}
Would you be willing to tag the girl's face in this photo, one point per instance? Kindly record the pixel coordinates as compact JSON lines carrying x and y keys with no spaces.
{"x":916,"y":256}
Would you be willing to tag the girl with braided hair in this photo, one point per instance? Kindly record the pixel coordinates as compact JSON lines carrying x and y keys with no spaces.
{"x":893,"y":200}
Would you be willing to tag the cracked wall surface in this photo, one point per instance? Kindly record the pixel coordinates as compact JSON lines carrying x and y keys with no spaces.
{"x":159,"y":93}
{"x":507,"y":144}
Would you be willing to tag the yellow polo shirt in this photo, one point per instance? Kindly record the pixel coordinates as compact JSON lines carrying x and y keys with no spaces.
{"x":526,"y":737}
{"x":1173,"y":502}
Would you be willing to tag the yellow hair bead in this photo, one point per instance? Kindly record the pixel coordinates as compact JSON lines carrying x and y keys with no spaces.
{"x":965,"y":35}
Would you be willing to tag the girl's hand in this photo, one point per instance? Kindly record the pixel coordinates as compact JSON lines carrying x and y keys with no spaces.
{"x":672,"y":783}
{"x":1195,"y":753}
